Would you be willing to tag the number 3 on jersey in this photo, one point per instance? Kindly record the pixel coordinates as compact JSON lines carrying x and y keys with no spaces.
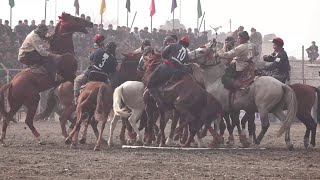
{"x":182,"y":54}
{"x":104,"y":58}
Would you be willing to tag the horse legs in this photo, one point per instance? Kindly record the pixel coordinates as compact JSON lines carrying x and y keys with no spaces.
{"x":14,"y":107}
{"x":85,"y":129}
{"x":174,"y":123}
{"x":311,"y":126}
{"x":99,"y":141}
{"x":136,"y":114}
{"x":248,"y":117}
{"x":31,"y":111}
{"x":162,"y":127}
{"x":264,"y":126}
{"x":74,"y":133}
{"x":113,"y":125}
{"x":64,"y":117}
{"x":150,"y":123}
{"x":123,"y":131}
{"x":280,"y":115}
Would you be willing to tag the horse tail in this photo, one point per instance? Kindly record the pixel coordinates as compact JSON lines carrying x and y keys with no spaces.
{"x":51,"y":103}
{"x":318,"y":104}
{"x":118,"y":103}
{"x":2,"y":100}
{"x":292,"y":107}
{"x":101,"y":111}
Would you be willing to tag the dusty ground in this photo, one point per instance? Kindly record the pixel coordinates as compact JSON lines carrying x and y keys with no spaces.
{"x":24,"y":159}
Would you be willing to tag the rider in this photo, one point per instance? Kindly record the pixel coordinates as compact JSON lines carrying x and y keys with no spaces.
{"x":103,"y":63}
{"x":32,"y":52}
{"x":279,"y":68}
{"x":174,"y":55}
{"x":145,"y":43}
{"x":242,"y":56}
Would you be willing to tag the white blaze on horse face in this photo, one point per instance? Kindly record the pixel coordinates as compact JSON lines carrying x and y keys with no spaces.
{"x":198,"y":55}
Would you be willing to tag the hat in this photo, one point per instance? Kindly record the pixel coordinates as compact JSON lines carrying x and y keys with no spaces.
{"x":278,"y":41}
{"x":185,"y":39}
{"x":98,"y":38}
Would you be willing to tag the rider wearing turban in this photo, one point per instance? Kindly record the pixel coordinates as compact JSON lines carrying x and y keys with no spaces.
{"x":279,"y":68}
{"x":33,"y":53}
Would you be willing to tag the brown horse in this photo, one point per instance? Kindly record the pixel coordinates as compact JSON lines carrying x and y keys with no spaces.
{"x":24,"y":89}
{"x":95,"y":97}
{"x":196,"y":105}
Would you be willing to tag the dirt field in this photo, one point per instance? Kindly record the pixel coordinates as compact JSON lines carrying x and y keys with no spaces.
{"x":25,"y":159}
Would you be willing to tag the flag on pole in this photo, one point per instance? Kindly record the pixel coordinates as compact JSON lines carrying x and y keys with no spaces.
{"x":11,"y":3}
{"x":199,"y":9}
{"x":103,"y":6}
{"x":76,"y":5}
{"x":128,"y":5}
{"x":152,"y":8}
{"x":173,"y":5}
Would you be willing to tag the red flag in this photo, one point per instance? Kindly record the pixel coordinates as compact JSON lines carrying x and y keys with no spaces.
{"x":76,"y":5}
{"x":152,"y":8}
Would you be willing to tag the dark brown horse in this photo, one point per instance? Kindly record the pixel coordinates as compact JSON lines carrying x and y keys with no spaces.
{"x":96,"y":97}
{"x":188,"y":98}
{"x":24,"y":89}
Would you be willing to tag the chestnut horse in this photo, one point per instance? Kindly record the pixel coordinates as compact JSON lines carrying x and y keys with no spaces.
{"x":95,"y":97}
{"x":25,"y":87}
{"x":188,"y":98}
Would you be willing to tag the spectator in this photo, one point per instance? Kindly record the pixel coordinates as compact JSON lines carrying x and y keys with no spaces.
{"x":26,"y":27}
{"x":256,"y":39}
{"x":33,"y":25}
{"x":20,"y":32}
{"x":50,"y":27}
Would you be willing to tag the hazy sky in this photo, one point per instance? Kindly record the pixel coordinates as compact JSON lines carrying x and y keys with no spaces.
{"x":293,"y":20}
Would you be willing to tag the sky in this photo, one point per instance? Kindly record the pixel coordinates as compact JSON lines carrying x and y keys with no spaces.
{"x":295,"y":21}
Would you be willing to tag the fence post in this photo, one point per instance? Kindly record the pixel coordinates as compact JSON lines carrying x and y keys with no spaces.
{"x":7,"y":71}
{"x":303,"y":80}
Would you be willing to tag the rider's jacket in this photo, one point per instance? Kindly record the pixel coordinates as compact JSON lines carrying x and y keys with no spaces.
{"x":242,"y":54}
{"x":32,"y":43}
{"x":175,"y":53}
{"x":102,"y":61}
{"x":280,"y":63}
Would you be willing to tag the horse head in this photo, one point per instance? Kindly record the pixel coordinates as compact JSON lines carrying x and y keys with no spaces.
{"x":204,"y":56}
{"x":61,"y":40}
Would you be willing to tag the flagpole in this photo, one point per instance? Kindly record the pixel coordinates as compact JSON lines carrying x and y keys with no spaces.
{"x":151,"y":25}
{"x":45,"y":11}
{"x":118,"y":14}
{"x":133,"y":20}
{"x":180,"y":11}
{"x":127,"y":18}
{"x":173,"y":20}
{"x":55,"y":12}
{"x":10,"y":16}
{"x":101,"y":19}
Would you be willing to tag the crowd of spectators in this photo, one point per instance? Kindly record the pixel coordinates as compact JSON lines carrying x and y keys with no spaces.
{"x":127,"y":40}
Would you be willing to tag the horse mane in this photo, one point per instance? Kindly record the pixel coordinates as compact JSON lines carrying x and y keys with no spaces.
{"x":150,"y":65}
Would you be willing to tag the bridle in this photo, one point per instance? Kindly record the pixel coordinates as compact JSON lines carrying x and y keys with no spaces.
{"x":208,"y":55}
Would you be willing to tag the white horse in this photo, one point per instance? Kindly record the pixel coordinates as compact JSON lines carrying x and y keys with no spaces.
{"x":266,"y":95}
{"x":128,"y":103}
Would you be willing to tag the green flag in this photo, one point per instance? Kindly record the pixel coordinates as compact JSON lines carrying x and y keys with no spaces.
{"x":199,"y":9}
{"x":128,"y":5}
{"x":11,"y":3}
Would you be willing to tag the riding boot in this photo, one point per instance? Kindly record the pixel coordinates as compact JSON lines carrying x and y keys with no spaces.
{"x":154,"y":92}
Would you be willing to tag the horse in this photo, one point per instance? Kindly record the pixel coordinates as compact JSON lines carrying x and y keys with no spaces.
{"x":196,"y":105}
{"x":95,"y":97}
{"x":25,"y":87}
{"x":265,"y":95}
{"x":308,"y":98}
{"x":63,"y":95}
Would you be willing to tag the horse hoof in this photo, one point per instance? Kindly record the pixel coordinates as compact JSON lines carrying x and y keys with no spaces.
{"x":67,"y":141}
{"x":290,"y":147}
{"x":104,"y":141}
{"x":42,"y":143}
{"x":96,"y":148}
{"x":73,"y":146}
{"x":82,"y":141}
{"x":168,"y":142}
{"x":162,"y":145}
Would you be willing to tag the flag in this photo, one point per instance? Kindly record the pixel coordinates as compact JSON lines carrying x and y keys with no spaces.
{"x":76,"y":5}
{"x":11,"y":3}
{"x":199,"y":9}
{"x":173,"y":5}
{"x":152,"y":8}
{"x":103,"y":6}
{"x":128,"y":5}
